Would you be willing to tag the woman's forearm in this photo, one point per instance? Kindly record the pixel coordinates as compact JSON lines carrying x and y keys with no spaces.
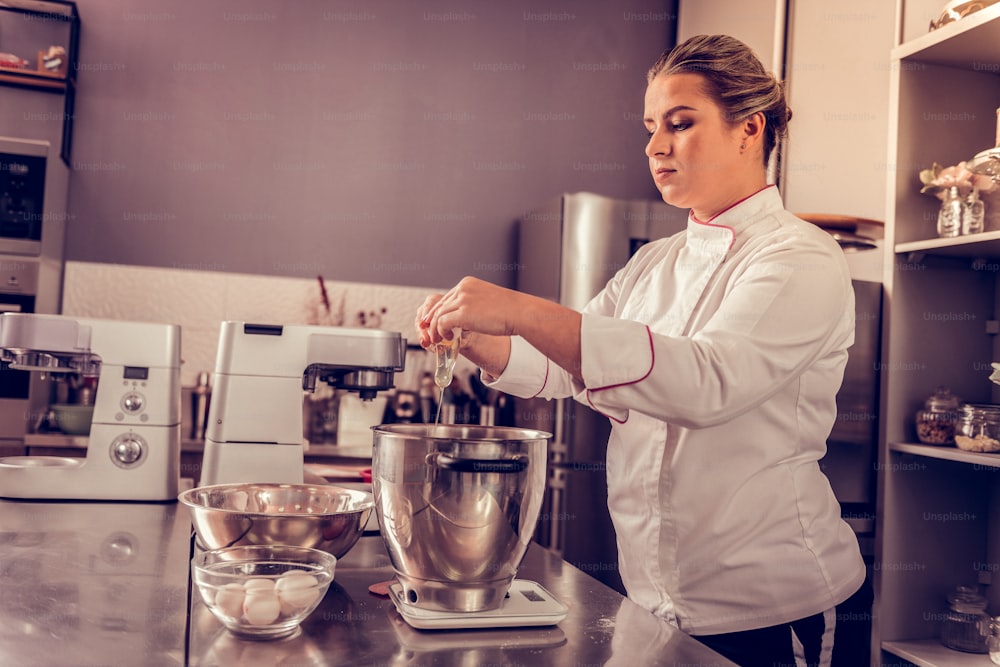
{"x":553,"y":330}
{"x":550,"y":328}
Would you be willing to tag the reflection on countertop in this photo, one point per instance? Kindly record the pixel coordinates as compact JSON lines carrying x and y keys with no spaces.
{"x":102,"y":583}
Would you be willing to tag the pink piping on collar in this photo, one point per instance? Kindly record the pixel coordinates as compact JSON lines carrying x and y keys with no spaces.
{"x":732,"y":231}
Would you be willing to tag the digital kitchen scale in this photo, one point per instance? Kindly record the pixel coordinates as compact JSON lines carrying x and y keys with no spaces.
{"x":526,"y":604}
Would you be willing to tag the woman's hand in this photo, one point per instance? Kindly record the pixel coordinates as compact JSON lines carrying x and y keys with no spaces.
{"x":473,"y":305}
{"x":421,"y":323}
{"x":488,"y":315}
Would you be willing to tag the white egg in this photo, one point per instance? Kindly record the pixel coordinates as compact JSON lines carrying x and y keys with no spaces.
{"x":229,"y":600}
{"x":259,"y":583}
{"x":261,"y":606}
{"x":296,"y":590}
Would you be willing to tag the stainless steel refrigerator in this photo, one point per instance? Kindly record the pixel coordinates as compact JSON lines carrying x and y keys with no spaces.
{"x":568,"y":250}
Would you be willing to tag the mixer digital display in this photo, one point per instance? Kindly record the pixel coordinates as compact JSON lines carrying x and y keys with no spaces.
{"x":136,"y":373}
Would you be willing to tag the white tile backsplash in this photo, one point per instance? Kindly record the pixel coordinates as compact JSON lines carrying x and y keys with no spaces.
{"x":199,"y":301}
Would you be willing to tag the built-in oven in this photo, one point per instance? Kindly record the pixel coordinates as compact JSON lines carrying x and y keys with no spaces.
{"x":34,"y":184}
{"x":22,"y":198}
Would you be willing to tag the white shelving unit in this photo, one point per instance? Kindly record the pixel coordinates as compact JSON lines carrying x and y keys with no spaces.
{"x":939,"y":507}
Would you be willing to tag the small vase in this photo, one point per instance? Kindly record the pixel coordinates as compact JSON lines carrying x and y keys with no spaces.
{"x":974,"y":215}
{"x":950,"y":215}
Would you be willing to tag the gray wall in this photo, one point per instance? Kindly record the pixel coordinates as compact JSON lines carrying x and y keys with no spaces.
{"x":371,"y":141}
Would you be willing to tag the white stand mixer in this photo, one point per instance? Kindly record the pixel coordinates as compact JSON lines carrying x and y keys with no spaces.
{"x":254,"y":431}
{"x":133,"y":452}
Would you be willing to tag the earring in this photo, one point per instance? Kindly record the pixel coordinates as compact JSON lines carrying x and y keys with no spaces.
{"x":743,"y":146}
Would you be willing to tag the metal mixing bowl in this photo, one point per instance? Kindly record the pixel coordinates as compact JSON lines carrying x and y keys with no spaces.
{"x":457,"y":507}
{"x":318,"y":516}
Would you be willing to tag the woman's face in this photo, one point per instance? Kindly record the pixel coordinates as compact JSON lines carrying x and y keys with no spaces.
{"x":694,"y":154}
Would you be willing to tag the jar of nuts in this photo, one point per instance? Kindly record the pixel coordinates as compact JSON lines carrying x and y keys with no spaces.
{"x":936,"y":420}
{"x":978,"y":428}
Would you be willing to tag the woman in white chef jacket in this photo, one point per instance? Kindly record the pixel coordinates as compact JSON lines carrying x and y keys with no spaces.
{"x":716,"y":354}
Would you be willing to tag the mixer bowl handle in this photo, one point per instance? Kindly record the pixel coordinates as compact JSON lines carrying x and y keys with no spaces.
{"x":450,"y":463}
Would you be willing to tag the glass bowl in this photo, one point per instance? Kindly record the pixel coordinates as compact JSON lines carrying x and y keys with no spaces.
{"x":261,"y":591}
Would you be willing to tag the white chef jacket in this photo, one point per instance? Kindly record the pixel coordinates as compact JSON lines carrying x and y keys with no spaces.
{"x":717,"y":354}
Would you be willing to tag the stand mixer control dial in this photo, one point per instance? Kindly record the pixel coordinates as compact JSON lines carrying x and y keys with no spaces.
{"x":127,"y":450}
{"x":133,"y":402}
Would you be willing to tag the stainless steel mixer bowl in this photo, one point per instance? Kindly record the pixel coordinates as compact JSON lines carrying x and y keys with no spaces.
{"x":457,"y":506}
{"x":318,"y":516}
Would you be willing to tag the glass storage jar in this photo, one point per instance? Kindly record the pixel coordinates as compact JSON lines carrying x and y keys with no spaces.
{"x":994,"y":641}
{"x":936,"y":420}
{"x":966,"y":625}
{"x":978,"y":428}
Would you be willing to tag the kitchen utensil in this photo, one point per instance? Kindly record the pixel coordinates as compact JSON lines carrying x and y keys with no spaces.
{"x":201,"y":394}
{"x":262,"y":591}
{"x":527,"y":604}
{"x":72,"y":419}
{"x":458,"y":505}
{"x":330,"y":518}
{"x":479,"y":389}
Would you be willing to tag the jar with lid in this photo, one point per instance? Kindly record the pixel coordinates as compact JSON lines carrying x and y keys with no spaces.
{"x":936,"y":420}
{"x":978,"y":428}
{"x":994,"y":641}
{"x":966,"y":625}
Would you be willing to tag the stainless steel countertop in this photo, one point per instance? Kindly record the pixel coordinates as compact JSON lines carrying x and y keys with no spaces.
{"x":107,"y":583}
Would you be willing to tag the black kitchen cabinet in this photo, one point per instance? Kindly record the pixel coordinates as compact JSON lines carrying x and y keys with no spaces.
{"x":27,"y":29}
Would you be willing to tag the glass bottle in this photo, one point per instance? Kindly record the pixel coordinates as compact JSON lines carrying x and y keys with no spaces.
{"x":936,"y":420}
{"x":949,"y":222}
{"x":966,"y":625}
{"x":974,"y":215}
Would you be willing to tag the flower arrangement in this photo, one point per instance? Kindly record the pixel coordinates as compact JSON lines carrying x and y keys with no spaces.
{"x":937,"y":180}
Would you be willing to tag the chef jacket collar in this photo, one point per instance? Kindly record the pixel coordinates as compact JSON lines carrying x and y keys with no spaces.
{"x":724,"y":226}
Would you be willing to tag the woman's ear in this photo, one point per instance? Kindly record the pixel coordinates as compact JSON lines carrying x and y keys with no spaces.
{"x":753,"y":128}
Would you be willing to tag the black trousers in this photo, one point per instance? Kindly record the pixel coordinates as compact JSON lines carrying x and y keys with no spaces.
{"x":774,"y":646}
